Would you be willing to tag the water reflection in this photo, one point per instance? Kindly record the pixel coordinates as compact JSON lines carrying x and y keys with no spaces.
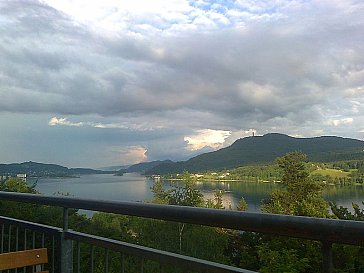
{"x":134,"y":187}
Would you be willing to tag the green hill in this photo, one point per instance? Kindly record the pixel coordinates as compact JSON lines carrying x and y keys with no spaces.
{"x":144,"y":166}
{"x":265,"y":149}
{"x":41,"y":169}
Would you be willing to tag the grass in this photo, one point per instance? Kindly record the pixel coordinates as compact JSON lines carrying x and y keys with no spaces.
{"x":331,"y":172}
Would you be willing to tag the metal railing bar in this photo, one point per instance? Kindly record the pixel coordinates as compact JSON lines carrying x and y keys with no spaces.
{"x":2,"y":238}
{"x":30,"y":225}
{"x":122,"y":262}
{"x":53,"y":254}
{"x":17,"y":239}
{"x":33,"y":240}
{"x":42,"y":245}
{"x":16,"y":243}
{"x":25,"y":245}
{"x":320,"y":229}
{"x":106,"y":261}
{"x":9,"y":241}
{"x":33,"y":245}
{"x":25,"y":239}
{"x":65,"y":218}
{"x":327,"y":257}
{"x":92,"y":258}
{"x":153,"y":254}
{"x":78,"y":256}
{"x":141,"y":265}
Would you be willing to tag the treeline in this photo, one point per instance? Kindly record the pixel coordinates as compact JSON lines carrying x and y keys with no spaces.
{"x":353,"y":170}
{"x":300,"y":195}
{"x":256,"y":173}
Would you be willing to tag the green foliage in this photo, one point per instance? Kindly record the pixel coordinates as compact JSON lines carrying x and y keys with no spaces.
{"x":341,"y":172}
{"x":344,"y":213}
{"x":301,"y":195}
{"x":110,"y":225}
{"x":348,"y":259}
{"x":187,"y":195}
{"x":160,"y":195}
{"x":282,"y":260}
{"x":243,"y":205}
{"x":217,"y":201}
{"x":255,"y":173}
{"x":193,"y":240}
{"x":16,"y":185}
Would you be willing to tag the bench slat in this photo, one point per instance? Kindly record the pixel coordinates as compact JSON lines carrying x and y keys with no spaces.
{"x":23,"y":258}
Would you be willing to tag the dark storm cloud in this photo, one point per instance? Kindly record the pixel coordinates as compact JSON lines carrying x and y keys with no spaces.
{"x":272,"y":67}
{"x":52,"y":64}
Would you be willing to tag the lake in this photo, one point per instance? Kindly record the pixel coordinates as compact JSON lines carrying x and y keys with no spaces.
{"x":135,"y":187}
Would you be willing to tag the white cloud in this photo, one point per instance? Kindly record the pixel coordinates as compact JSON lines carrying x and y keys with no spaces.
{"x":63,"y":122}
{"x":55,"y":121}
{"x":234,"y":135}
{"x":206,"y":138}
{"x":113,"y":16}
{"x":128,"y":154}
{"x":343,"y":121}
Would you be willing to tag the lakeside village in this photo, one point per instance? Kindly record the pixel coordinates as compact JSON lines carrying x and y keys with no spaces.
{"x":22,"y":176}
{"x":330,"y":173}
{"x":213,"y":176}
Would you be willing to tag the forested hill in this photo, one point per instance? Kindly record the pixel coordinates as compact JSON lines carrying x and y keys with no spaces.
{"x":144,"y":166}
{"x":265,"y":149}
{"x":40,"y":169}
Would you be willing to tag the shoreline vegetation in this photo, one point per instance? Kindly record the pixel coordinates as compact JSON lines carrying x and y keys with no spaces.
{"x":330,"y":173}
{"x":299,"y":195}
{"x":254,"y":181}
{"x":224,"y":180}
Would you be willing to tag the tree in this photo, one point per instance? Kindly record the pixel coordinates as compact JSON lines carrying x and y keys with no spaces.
{"x":217,"y":201}
{"x":16,"y":185}
{"x":185,"y":195}
{"x":243,"y":205}
{"x":344,"y":213}
{"x":301,"y":194}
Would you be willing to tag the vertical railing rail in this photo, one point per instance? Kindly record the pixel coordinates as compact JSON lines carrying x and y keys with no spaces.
{"x":66,"y":259}
{"x":327,"y":262}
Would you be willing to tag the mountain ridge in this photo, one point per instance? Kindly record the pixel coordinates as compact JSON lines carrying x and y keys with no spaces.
{"x":37,"y":169}
{"x":143,"y":166}
{"x":264,"y":149}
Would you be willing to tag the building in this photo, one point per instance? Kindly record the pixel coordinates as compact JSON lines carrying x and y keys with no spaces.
{"x":22,"y":176}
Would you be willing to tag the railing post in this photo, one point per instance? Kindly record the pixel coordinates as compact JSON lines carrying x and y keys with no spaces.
{"x":66,"y":260}
{"x":327,"y":257}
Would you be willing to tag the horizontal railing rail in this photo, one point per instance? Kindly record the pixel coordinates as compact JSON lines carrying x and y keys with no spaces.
{"x":31,"y":226}
{"x":160,"y":256}
{"x":145,"y":253}
{"x":311,"y":228}
{"x":28,"y":230}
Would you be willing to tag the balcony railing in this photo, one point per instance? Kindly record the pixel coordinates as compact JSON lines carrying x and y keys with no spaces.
{"x":59,"y":241}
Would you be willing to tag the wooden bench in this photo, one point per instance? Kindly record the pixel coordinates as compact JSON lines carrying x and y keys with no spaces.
{"x":24,"y":258}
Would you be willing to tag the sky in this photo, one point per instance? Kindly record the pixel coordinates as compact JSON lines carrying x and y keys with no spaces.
{"x":87,"y":83}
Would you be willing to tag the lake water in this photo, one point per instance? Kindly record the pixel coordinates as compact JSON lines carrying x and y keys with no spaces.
{"x":135,"y":187}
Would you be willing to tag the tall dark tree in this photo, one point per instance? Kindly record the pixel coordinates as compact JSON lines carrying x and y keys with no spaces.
{"x":301,"y":194}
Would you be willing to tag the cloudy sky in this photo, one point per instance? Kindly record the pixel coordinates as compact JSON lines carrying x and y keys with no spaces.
{"x":97,"y":83}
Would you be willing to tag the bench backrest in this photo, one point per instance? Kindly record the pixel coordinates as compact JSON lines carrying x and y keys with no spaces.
{"x":23,"y":258}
